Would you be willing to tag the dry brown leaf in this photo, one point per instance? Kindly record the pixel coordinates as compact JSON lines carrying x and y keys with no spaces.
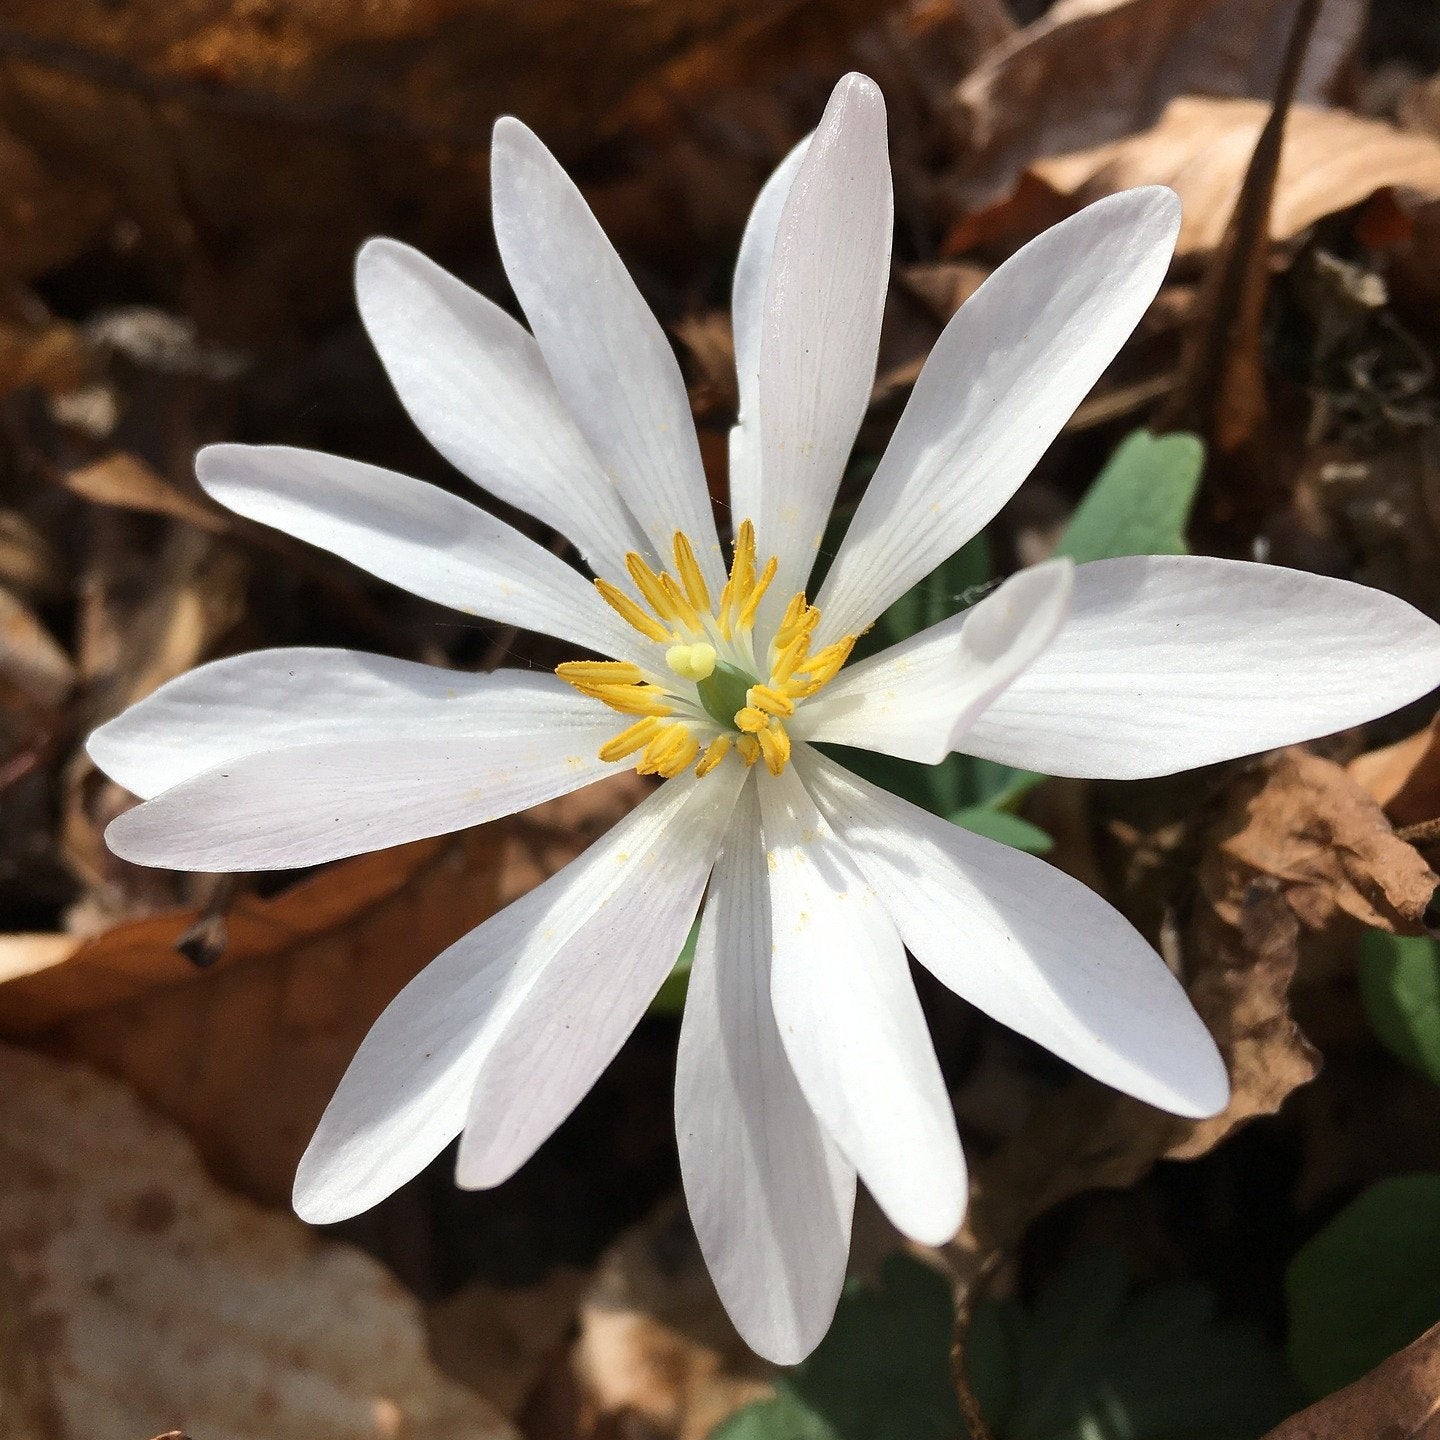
{"x":157,"y":1300}
{"x":1398,"y":1400}
{"x":27,"y":1401}
{"x":1404,"y":778}
{"x":1331,"y":160}
{"x":250,"y":148}
{"x":1295,"y":851}
{"x":128,"y":483}
{"x":657,"y":1355}
{"x":246,"y":1054}
{"x":30,"y":657}
{"x":1091,"y":71}
{"x":499,"y":1342}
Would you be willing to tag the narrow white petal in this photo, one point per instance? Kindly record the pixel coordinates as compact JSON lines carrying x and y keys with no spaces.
{"x":1171,"y":661}
{"x":609,"y":951}
{"x":409,"y":1087}
{"x":276,"y":699}
{"x":475,"y":383}
{"x":821,"y":327}
{"x":851,"y":1022}
{"x":610,"y":360}
{"x":1027,"y":944}
{"x":917,"y":699}
{"x":313,"y":803}
{"x":1006,"y":374}
{"x":770,"y":1195}
{"x":747,"y":309}
{"x":413,"y":535}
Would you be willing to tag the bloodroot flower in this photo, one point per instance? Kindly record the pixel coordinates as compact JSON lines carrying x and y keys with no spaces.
{"x":804,"y":1059}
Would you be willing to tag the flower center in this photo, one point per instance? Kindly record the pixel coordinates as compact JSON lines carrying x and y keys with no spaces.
{"x":708,"y":697}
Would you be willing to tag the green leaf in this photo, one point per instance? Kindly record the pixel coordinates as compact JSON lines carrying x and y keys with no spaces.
{"x":1366,"y":1285}
{"x":1140,"y":503}
{"x":1400,"y":984}
{"x":670,"y":998}
{"x":1093,"y":1359}
{"x":1001,"y":825}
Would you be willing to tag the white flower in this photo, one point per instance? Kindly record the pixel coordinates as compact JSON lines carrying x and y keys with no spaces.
{"x":804,"y":1058}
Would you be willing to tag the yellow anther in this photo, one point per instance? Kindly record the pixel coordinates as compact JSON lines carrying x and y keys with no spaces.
{"x":757,"y":592}
{"x":790,"y":659}
{"x":680,"y":605}
{"x":689,"y":571}
{"x":600,"y":672}
{"x":631,"y":613}
{"x":631,"y":739}
{"x":749,"y":749}
{"x":751,"y":720}
{"x":669,"y":752}
{"x":823,"y":666}
{"x":742,"y":567}
{"x":631,"y":699}
{"x":775,"y":746}
{"x":647,"y":582}
{"x":715,"y":752}
{"x":772,"y":702}
{"x":692,"y":662}
{"x":799,"y":619}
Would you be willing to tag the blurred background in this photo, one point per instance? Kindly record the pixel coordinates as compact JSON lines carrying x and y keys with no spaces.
{"x":183,"y":186}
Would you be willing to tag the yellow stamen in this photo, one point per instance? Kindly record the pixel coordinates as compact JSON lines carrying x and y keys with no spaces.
{"x":647,"y":582}
{"x":600,"y":672}
{"x":824,"y":665}
{"x":631,"y":613}
{"x":681,"y":757}
{"x":681,"y":606}
{"x":690,"y":575}
{"x":692,"y":662}
{"x":631,"y":699}
{"x":790,"y":659}
{"x":772,"y":702}
{"x":715,"y":752}
{"x":660,"y":753}
{"x":749,"y":748}
{"x":775,"y":746}
{"x":751,"y":720}
{"x":752,"y":601}
{"x":629,"y":740}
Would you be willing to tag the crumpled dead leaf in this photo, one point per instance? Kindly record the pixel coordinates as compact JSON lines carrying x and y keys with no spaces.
{"x":1331,"y":160}
{"x":1295,"y":849}
{"x":1030,"y":97}
{"x":301,"y":979}
{"x":248,"y":148}
{"x":156,"y":1300}
{"x":27,"y":1403}
{"x":1404,"y":778}
{"x":1398,"y":1400}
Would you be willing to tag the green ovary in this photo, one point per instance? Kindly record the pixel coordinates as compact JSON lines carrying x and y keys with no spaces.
{"x":724,"y":692}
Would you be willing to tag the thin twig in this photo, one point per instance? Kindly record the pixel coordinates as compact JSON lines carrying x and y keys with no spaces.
{"x":969,"y":1297}
{"x":1425,"y":832}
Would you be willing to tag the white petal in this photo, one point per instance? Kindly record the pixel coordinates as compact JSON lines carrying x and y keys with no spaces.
{"x":414,"y":535}
{"x":276,"y":699}
{"x":770,"y":1195}
{"x":313,"y":803}
{"x":917,"y":699}
{"x":1006,"y":374}
{"x":821,"y":327}
{"x":1027,"y":944}
{"x":409,"y":1087}
{"x":851,"y":1022}
{"x":610,"y":950}
{"x":747,"y":309}
{"x":475,"y":383}
{"x":1171,"y":661}
{"x":609,"y":358}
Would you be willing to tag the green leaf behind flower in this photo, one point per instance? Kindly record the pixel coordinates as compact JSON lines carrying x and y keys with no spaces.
{"x":1400,"y":984}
